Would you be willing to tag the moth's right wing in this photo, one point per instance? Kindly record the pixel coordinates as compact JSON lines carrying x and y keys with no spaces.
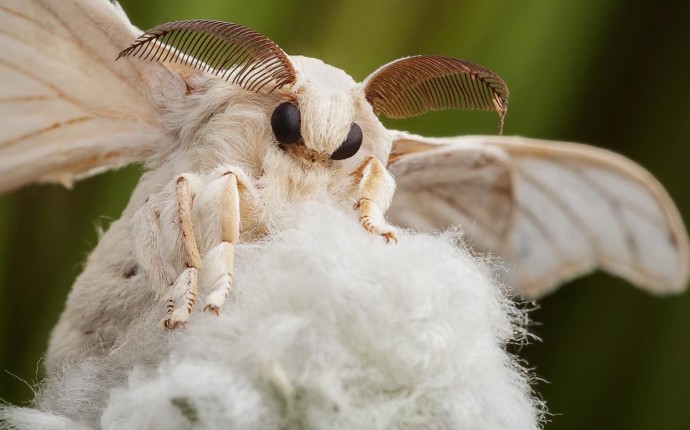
{"x":67,"y":108}
{"x":550,"y":210}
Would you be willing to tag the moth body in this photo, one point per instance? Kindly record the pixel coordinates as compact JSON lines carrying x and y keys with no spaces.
{"x":231,"y":130}
{"x":221,"y":129}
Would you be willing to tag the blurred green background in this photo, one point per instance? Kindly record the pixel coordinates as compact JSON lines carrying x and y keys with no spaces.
{"x":607,"y":72}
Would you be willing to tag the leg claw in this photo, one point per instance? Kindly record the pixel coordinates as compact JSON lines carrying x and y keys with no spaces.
{"x":212,"y":308}
{"x":169,"y":324}
{"x":390,"y":237}
{"x":384,"y":230}
{"x":178,"y":319}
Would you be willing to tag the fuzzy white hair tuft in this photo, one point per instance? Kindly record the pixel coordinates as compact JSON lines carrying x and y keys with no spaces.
{"x":330,"y":328}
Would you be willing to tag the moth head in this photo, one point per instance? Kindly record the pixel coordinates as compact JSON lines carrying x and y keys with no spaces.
{"x":328,"y":105}
{"x":313,"y":107}
{"x":336,"y":116}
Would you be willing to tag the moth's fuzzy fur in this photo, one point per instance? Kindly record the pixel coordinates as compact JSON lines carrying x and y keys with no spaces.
{"x":330,"y":329}
{"x":218,"y":128}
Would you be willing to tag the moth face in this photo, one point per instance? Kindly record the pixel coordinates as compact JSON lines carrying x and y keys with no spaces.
{"x":319,"y":119}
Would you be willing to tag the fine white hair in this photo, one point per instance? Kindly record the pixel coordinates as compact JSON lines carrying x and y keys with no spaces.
{"x":329,"y":328}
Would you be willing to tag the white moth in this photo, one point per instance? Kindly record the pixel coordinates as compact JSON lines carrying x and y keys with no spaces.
{"x":231,"y":128}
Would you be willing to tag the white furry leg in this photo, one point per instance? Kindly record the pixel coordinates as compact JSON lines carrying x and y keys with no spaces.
{"x":185,"y":285}
{"x":218,"y":276}
{"x":218,"y":264}
{"x":185,"y":288}
{"x":375,"y":190}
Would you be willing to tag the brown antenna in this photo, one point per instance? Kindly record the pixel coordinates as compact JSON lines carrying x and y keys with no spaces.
{"x":412,"y":86}
{"x":230,"y":51}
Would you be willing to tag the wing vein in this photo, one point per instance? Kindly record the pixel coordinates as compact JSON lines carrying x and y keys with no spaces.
{"x":24,"y":17}
{"x":615,"y":208}
{"x":24,"y":99}
{"x":40,"y":81}
{"x":44,"y":130}
{"x":76,"y":41}
{"x":563,"y":206}
{"x":546,"y":235}
{"x":622,"y":202}
{"x":484,"y":225}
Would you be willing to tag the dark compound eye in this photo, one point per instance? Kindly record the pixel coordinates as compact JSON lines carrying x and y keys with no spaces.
{"x":285,"y":122}
{"x":351,"y":144}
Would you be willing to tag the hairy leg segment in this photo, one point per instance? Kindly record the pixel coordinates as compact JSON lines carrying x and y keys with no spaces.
{"x":375,"y":188}
{"x":184,"y":237}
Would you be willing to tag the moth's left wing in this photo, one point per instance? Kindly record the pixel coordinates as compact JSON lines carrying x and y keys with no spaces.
{"x":551,"y":211}
{"x":67,"y":108}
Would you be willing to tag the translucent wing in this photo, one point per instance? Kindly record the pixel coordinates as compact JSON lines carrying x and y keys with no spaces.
{"x":67,"y":109}
{"x":551,"y":211}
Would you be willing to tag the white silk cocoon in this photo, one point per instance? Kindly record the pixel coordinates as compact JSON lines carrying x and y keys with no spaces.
{"x":330,"y":328}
